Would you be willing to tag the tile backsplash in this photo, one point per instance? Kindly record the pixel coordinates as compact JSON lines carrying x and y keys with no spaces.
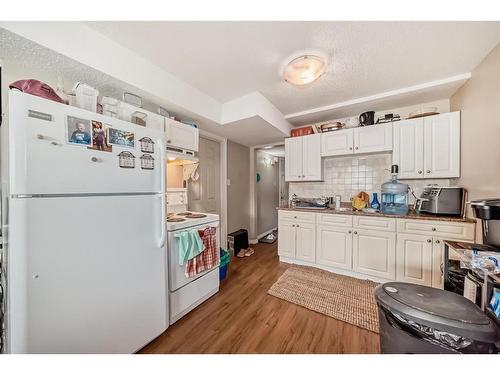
{"x":347,"y":176}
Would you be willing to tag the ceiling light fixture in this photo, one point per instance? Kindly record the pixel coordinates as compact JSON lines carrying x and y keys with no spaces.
{"x":304,"y":69}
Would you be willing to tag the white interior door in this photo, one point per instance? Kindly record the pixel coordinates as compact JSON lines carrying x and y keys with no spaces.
{"x":334,"y":246}
{"x":42,"y":161}
{"x":408,"y":151}
{"x":442,"y":145}
{"x":414,"y":259}
{"x":204,"y":194}
{"x":87,"y":274}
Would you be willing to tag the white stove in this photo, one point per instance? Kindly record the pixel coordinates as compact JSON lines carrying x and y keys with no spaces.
{"x":188,"y":219}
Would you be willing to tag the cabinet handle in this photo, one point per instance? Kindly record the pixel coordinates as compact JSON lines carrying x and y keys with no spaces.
{"x":437,"y":241}
{"x":349,"y":232}
{"x":429,"y":240}
{"x":350,"y":148}
{"x":297,"y":225}
{"x":433,"y":229}
{"x":169,"y":141}
{"x":293,"y":225}
{"x":419,"y":172}
{"x":295,"y":217}
{"x":355,"y":232}
{"x":356,"y":147}
{"x":94,"y":159}
{"x":428,"y":171}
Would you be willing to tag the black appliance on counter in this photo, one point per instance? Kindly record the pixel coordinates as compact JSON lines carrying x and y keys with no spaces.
{"x":488,"y":210}
{"x":441,"y":200}
{"x":416,"y":319}
{"x":367,"y":118}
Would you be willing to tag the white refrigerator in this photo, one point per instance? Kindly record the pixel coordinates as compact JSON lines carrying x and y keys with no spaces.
{"x":84,"y":230}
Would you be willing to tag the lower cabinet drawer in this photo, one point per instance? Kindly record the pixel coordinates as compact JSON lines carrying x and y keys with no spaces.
{"x":305,"y":217}
{"x":332,"y":219}
{"x":443,"y":229}
{"x":193,"y":294}
{"x":378,"y":223}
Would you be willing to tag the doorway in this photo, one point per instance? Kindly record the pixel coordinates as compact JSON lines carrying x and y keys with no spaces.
{"x":204,"y":193}
{"x":271,"y":190}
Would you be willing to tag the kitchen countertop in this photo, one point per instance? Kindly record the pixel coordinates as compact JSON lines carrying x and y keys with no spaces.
{"x":411,"y":214}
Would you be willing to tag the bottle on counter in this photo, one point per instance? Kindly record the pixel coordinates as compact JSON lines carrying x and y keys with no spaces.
{"x":375,"y":203}
{"x":394,"y":195}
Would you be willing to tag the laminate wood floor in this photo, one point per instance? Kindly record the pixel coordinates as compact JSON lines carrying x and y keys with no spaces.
{"x":243,"y":318}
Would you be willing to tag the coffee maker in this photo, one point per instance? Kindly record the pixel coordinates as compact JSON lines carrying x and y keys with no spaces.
{"x":488,"y":210}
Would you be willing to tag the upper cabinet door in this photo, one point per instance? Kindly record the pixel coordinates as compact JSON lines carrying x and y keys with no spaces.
{"x":338,"y":142}
{"x":442,"y":145}
{"x":408,"y":150}
{"x":293,"y":159}
{"x":312,"y":166}
{"x":374,"y":138}
{"x":181,"y":135}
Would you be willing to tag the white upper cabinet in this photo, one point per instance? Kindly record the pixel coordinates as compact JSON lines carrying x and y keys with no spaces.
{"x":408,"y":150}
{"x":442,"y":145}
{"x":312,"y":165}
{"x":338,"y":142}
{"x":181,"y":135}
{"x":374,"y":138}
{"x":428,"y":147}
{"x":293,"y":159}
{"x":303,"y":158}
{"x":361,"y":140}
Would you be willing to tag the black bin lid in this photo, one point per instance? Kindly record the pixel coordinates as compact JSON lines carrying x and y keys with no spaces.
{"x":438,"y":309}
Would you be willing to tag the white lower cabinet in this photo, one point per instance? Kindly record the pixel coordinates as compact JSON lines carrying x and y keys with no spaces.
{"x":305,"y":242}
{"x":334,"y":246}
{"x":374,"y":253}
{"x":286,"y":243}
{"x":414,"y":258}
{"x":406,"y":250}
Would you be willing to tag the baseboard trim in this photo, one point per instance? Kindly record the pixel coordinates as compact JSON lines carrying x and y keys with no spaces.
{"x":334,"y":270}
{"x":254,"y":241}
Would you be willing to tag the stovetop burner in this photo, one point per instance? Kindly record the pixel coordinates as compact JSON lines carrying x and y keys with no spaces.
{"x":175,"y":219}
{"x":187,"y":213}
{"x":195,"y":216}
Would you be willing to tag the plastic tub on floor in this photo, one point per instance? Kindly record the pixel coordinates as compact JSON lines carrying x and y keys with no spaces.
{"x":225,"y":258}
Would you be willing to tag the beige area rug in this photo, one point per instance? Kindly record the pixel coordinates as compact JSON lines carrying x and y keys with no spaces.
{"x":341,"y":297}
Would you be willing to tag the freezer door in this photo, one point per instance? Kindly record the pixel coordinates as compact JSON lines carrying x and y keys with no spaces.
{"x":42,"y":160}
{"x":86,"y":274}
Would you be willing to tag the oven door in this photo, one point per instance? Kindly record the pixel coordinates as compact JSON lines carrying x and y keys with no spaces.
{"x":177,"y":276}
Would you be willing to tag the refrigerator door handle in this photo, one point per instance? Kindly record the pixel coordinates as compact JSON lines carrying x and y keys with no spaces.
{"x":163,"y":224}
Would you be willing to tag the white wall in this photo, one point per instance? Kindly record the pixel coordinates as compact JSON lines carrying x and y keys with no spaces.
{"x":479,"y":100}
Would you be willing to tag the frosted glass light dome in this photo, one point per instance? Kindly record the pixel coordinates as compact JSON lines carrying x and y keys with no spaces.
{"x":304,"y":69}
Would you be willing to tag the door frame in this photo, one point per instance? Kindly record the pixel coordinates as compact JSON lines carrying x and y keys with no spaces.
{"x":223,"y":181}
{"x":252,"y":236}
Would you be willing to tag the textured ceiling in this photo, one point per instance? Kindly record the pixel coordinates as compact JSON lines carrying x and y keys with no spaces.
{"x":229,"y":59}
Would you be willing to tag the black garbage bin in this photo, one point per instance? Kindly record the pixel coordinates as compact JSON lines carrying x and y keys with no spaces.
{"x":423,"y":320}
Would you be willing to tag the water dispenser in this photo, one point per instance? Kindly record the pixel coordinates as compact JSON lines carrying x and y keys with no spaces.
{"x":394,"y":195}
